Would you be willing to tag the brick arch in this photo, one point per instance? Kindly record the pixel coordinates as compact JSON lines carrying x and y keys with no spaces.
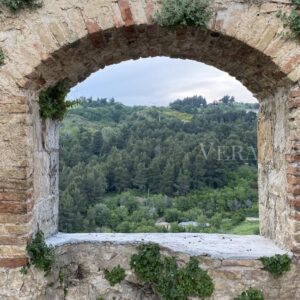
{"x":71,"y":39}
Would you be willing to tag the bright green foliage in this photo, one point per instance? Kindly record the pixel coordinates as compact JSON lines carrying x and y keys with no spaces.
{"x":24,"y":270}
{"x":116,"y":275}
{"x":41,"y":255}
{"x":17,"y":5}
{"x":1,"y":57}
{"x":296,"y":3}
{"x":147,"y":262}
{"x":195,"y":281}
{"x":122,"y":168}
{"x":251,"y":294}
{"x":169,"y":281}
{"x":185,"y":13}
{"x":277,"y":264}
{"x":291,"y":21}
{"x":52,"y":102}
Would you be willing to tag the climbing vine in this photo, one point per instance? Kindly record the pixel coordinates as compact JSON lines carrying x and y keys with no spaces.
{"x":40,"y":254}
{"x":277,"y":264}
{"x":52,"y":102}
{"x":291,"y":21}
{"x":166,"y":278}
{"x":1,"y":57}
{"x":116,"y":275}
{"x":185,"y":13}
{"x":17,"y":5}
{"x":251,"y":294}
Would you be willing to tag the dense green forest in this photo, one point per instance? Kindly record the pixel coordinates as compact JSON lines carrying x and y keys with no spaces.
{"x":132,"y":169}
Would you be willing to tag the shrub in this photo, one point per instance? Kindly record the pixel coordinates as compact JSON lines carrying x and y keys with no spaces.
{"x":40,"y":254}
{"x":251,"y":294}
{"x":116,"y":275}
{"x":169,"y":281}
{"x":291,"y":21}
{"x":196,"y":281}
{"x":147,"y":262}
{"x":1,"y":57}
{"x":184,"y":12}
{"x":277,"y":264}
{"x":17,"y":5}
{"x":52,"y":102}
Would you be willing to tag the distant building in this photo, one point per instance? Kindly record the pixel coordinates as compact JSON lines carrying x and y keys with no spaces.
{"x":193,"y":224}
{"x":165,"y":225}
{"x":252,"y":110}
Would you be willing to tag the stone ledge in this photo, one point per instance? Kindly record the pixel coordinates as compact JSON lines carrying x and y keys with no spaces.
{"x":217,"y":246}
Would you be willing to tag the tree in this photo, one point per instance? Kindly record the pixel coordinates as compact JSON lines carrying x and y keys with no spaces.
{"x":140,"y":179}
{"x":168,"y":179}
{"x":97,"y":142}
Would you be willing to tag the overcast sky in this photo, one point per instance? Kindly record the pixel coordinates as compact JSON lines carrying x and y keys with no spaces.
{"x":159,"y":81}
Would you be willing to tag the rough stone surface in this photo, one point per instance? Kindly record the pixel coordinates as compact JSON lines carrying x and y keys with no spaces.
{"x":78,"y":274}
{"x":70,"y":39}
{"x":218,"y":246}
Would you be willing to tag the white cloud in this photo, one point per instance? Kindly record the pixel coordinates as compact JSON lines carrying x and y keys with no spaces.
{"x":160,"y":80}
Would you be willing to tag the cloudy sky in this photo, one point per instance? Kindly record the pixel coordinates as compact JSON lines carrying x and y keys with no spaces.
{"x":158,"y":81}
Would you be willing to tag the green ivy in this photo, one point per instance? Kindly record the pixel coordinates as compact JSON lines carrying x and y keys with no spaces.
{"x":277,"y":264}
{"x":1,"y":57}
{"x":147,"y":262}
{"x":291,"y":21}
{"x":251,"y":294}
{"x":17,"y":5}
{"x":116,"y":275}
{"x":52,"y":102}
{"x":40,"y":254}
{"x":185,"y":13}
{"x":169,"y":281}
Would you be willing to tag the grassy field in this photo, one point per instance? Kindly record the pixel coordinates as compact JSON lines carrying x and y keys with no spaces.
{"x":246,"y":228}
{"x":184,"y":117}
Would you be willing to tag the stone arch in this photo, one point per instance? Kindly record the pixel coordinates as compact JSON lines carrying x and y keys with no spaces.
{"x":71,"y":39}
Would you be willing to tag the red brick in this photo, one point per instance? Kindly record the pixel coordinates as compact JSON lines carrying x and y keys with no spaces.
{"x":291,"y":64}
{"x":292,"y":158}
{"x":294,"y":190}
{"x":126,"y":12}
{"x":13,"y":207}
{"x":95,"y":34}
{"x":295,"y":204}
{"x":293,"y":180}
{"x":294,"y":94}
{"x":12,"y":263}
{"x":294,"y":170}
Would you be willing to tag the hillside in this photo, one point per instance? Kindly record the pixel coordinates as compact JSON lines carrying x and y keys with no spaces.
{"x":130,"y":169}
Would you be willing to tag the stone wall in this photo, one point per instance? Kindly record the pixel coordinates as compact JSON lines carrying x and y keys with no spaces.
{"x":71,"y":39}
{"x":83,"y":265}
